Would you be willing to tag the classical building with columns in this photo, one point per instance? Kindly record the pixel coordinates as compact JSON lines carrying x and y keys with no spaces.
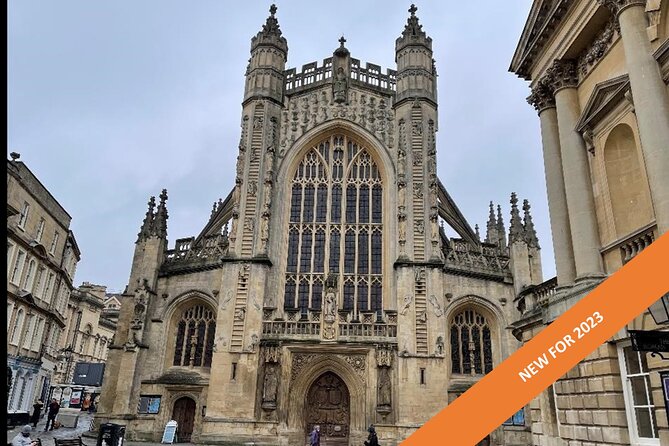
{"x":337,"y":284}
{"x":599,"y":71}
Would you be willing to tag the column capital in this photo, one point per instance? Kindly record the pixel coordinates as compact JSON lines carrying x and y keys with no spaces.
{"x":542,"y":96}
{"x":563,"y":74}
{"x":618,"y":6}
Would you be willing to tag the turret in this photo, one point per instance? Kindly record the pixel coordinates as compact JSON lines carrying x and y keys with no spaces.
{"x":530,"y":235}
{"x":265,"y":72}
{"x":524,"y":251}
{"x":151,"y":245}
{"x":416,"y":72}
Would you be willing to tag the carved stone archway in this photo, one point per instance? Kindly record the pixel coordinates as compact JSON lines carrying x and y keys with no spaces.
{"x":307,"y":368}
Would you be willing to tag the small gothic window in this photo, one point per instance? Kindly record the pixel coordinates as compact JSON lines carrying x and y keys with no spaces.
{"x":471,"y":345}
{"x":195,"y":337}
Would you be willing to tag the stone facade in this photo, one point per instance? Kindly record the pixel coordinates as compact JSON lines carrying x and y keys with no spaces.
{"x":42,"y":255}
{"x":88,"y":330}
{"x":324,"y":288}
{"x":599,"y":73}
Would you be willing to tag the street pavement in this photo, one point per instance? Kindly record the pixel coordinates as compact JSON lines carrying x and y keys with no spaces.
{"x":82,"y":430}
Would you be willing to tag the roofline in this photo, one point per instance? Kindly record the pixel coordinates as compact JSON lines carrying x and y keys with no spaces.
{"x":17,"y":165}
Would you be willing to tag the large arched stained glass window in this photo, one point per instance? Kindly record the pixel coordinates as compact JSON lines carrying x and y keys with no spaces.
{"x":195,"y":337}
{"x":471,"y":346}
{"x":335,"y":227}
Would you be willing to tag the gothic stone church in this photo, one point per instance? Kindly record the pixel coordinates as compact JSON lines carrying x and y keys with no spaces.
{"x":324,"y":289}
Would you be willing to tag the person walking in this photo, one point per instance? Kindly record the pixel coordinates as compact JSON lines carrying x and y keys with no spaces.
{"x":54,"y":407}
{"x":37,"y":411}
{"x":372,"y":439}
{"x":315,"y":437}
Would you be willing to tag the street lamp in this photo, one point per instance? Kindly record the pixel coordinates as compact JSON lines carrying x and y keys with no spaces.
{"x":660,"y":310}
{"x":67,"y":354}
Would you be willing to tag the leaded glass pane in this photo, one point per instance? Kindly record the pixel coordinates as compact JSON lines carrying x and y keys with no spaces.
{"x":336,"y":192}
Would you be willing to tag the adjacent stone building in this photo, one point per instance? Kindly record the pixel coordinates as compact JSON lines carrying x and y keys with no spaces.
{"x":338,"y":284}
{"x":88,"y":330}
{"x":599,"y":73}
{"x":42,"y":255}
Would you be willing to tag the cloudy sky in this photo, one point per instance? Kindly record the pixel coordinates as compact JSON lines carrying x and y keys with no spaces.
{"x":111,"y":101}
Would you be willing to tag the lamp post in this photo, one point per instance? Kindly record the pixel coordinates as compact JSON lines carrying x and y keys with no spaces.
{"x":654,"y":341}
{"x":67,"y":354}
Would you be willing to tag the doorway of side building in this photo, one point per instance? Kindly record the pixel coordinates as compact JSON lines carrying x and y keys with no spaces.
{"x":328,"y":406}
{"x":184,"y":414}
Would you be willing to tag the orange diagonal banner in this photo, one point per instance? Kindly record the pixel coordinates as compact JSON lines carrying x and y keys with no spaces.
{"x":552,"y":353}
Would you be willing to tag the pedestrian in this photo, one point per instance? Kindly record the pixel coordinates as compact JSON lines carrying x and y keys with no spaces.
{"x":23,"y":437}
{"x":315,"y":438}
{"x":54,"y":407}
{"x":37,"y":411}
{"x":372,"y":439}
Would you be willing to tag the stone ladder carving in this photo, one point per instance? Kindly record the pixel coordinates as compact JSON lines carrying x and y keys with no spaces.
{"x":253,"y":178}
{"x":418,"y":186}
{"x":420,"y":290}
{"x":241,"y":300}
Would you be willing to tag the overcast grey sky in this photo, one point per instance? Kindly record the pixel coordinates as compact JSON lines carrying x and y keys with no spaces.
{"x":110,"y":101}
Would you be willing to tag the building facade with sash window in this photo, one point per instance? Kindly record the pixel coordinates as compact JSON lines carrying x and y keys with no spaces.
{"x":598,"y":73}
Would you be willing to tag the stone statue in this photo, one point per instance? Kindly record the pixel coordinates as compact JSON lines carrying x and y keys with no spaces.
{"x":384,"y":387}
{"x":407,"y":303}
{"x":401,"y":162}
{"x":330,"y":305}
{"x":264,"y":232}
{"x":270,"y":386}
{"x":340,"y":86}
{"x":440,"y":346}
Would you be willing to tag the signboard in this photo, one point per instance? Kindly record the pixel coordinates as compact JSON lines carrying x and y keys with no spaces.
{"x":664,"y":377}
{"x":170,"y":432}
{"x":75,"y":399}
{"x":650,"y":341}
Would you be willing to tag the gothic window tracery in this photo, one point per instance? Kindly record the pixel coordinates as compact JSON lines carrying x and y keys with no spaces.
{"x":335,"y":227}
{"x":195,"y":337}
{"x":471,"y":344}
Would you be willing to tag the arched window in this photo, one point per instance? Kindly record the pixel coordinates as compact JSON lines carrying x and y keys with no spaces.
{"x":628,"y":191}
{"x":18,"y":325}
{"x":195,"y":337}
{"x":335,"y":227}
{"x":471,"y":345}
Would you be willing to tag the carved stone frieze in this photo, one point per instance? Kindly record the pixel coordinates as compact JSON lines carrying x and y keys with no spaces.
{"x":301,"y":360}
{"x":384,"y":357}
{"x":599,"y":46}
{"x":272,"y":353}
{"x":306,"y":111}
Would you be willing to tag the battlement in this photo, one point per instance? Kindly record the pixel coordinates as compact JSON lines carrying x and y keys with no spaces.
{"x":312,"y":75}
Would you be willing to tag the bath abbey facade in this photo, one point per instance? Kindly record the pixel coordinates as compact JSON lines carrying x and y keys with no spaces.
{"x":337,"y":284}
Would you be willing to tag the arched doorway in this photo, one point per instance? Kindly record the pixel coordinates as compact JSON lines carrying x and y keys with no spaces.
{"x":184,"y":414}
{"x":328,"y":406}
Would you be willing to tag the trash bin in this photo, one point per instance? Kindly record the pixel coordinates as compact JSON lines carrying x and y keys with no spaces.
{"x":111,"y":434}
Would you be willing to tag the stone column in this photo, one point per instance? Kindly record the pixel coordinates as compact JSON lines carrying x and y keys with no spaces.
{"x":544,"y":102}
{"x":576,"y":171}
{"x":651,"y":101}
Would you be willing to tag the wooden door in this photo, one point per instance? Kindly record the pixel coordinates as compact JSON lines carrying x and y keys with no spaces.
{"x":327,"y":406}
{"x":184,"y":415}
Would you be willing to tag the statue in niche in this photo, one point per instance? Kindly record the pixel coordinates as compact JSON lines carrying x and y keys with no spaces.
{"x":264,"y":232}
{"x":270,"y":387}
{"x":269,"y":159}
{"x":401,"y":163}
{"x":402,"y":218}
{"x":330,"y":305}
{"x":385,"y":387}
{"x":440,"y":346}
